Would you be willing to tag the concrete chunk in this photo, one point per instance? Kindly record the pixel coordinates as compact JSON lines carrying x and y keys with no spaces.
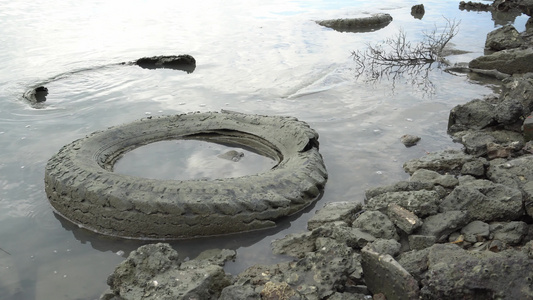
{"x":385,"y":275}
{"x":334,"y":211}
{"x":403,"y":218}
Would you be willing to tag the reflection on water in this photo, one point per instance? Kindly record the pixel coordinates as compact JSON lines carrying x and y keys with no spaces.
{"x":261,"y":57}
{"x":191,"y":159}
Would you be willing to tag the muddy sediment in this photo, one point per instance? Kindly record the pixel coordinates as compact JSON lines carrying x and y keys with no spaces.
{"x":461,"y":227}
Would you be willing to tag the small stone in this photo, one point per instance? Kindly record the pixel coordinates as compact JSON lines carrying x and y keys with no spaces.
{"x":476,"y":231}
{"x":511,"y":232}
{"x":418,"y":11}
{"x":409,"y":140}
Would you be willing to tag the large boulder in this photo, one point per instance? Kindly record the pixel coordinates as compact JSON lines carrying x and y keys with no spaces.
{"x":153,"y":271}
{"x":485,"y":201}
{"x":513,"y":61}
{"x":454,"y":273}
{"x":476,"y":114}
{"x":516,"y":174}
{"x":506,"y":37}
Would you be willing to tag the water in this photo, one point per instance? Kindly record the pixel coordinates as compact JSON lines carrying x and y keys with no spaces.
{"x":192,"y":159}
{"x":252,"y":56}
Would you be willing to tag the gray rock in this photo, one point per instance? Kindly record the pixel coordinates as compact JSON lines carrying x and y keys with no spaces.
{"x":334,"y":212}
{"x":183,"y":62}
{"x":377,"y":224}
{"x":403,"y":218}
{"x":442,"y":161}
{"x":347,"y":296}
{"x":352,"y":237}
{"x":245,"y":292}
{"x":216,"y":256}
{"x":527,"y":249}
{"x":521,"y":89}
{"x":510,"y":233}
{"x":423,"y":175}
{"x":513,"y":61}
{"x":509,"y":112}
{"x":385,"y":275}
{"x":506,"y":37}
{"x":409,"y":140}
{"x":516,"y":173}
{"x":475,"y":168}
{"x":415,"y":262}
{"x":422,"y":203}
{"x":476,"y":231}
{"x":318,"y":274}
{"x":384,"y":246}
{"x":442,"y":224}
{"x":493,"y":143}
{"x":485,"y":201}
{"x":454,"y":273}
{"x":476,"y":114}
{"x":294,"y":244}
{"x":364,"y":24}
{"x":232,"y":155}
{"x":419,"y":242}
{"x":476,"y":141}
{"x":418,"y":11}
{"x":401,"y":186}
{"x":153,"y":272}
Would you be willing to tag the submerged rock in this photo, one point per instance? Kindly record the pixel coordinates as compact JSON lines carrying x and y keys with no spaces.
{"x":182,"y":62}
{"x":506,"y":37}
{"x":364,"y":24}
{"x":409,"y":140}
{"x":36,"y":95}
{"x":418,"y":11}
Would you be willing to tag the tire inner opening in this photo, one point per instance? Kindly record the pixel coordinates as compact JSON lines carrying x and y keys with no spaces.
{"x":193,"y":158}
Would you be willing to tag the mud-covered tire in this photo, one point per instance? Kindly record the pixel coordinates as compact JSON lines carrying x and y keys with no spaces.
{"x":82,"y":187}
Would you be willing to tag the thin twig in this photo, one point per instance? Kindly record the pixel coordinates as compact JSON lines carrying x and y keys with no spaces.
{"x":5,"y":251}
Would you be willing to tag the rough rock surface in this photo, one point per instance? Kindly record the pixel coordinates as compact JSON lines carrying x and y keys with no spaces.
{"x":364,"y":24}
{"x":442,"y":161}
{"x":513,"y":61}
{"x":485,"y":201}
{"x":506,"y":37}
{"x":454,"y":273}
{"x":154,"y":272}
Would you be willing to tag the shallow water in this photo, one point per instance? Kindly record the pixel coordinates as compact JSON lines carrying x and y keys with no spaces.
{"x":253,"y":57}
{"x":192,"y":159}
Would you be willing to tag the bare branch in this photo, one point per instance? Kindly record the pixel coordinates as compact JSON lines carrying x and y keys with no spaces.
{"x":397,"y":56}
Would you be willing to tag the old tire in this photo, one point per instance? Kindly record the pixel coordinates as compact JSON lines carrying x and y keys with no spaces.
{"x":82,"y":187}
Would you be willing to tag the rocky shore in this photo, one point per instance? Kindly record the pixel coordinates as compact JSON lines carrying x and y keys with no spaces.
{"x":461,"y":227}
